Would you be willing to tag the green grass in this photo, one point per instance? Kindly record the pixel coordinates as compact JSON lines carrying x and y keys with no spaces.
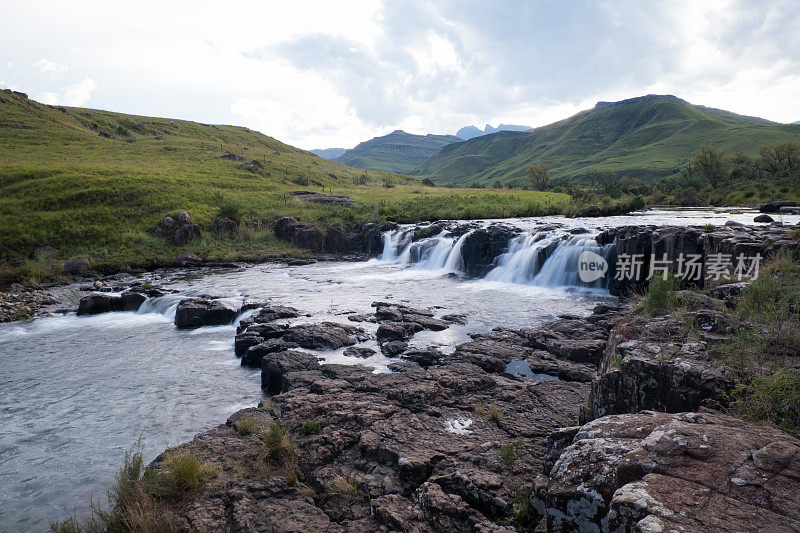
{"x":507,"y":453}
{"x":772,"y":398}
{"x":647,"y":138}
{"x":398,"y":151}
{"x":278,"y":444}
{"x":310,"y":427}
{"x":181,"y":474}
{"x":246,"y":426}
{"x":659,"y":299}
{"x":64,"y":185}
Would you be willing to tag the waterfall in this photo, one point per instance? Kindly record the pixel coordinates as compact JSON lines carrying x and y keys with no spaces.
{"x":165,"y":305}
{"x":547,"y":259}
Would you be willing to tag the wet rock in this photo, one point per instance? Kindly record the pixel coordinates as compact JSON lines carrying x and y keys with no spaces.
{"x":324,"y":336}
{"x":268,"y":314}
{"x":397,"y":331}
{"x":425,"y":357}
{"x":393,"y":348}
{"x":255,"y":354}
{"x":361,"y":352}
{"x":763,"y":218}
{"x":775,"y":206}
{"x":275,"y":367}
{"x":650,"y":471}
{"x":188,"y":260}
{"x":95,"y":304}
{"x":482,"y":246}
{"x":21,"y":303}
{"x":187,"y":233}
{"x":74,"y":266}
{"x":197,"y":312}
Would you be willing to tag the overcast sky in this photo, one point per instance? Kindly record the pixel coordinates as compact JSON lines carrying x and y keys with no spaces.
{"x":332,"y":74}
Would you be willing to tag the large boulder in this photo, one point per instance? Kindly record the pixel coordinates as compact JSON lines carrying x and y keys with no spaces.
{"x":94,"y":304}
{"x":671,"y":472}
{"x":324,"y":336}
{"x":196,"y":312}
{"x":775,"y":206}
{"x":74,"y":266}
{"x":226,"y":227}
{"x":480,"y":248}
{"x":764,"y":218}
{"x":187,"y":233}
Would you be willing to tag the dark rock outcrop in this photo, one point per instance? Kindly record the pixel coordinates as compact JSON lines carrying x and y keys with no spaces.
{"x":75,"y":266}
{"x":775,"y":206}
{"x":187,"y":233}
{"x":196,"y":312}
{"x":94,"y":304}
{"x":672,"y":472}
{"x":324,"y":336}
{"x":482,"y":246}
{"x":228,"y":228}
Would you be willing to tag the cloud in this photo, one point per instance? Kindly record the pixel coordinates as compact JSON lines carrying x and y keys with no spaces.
{"x":322,"y":74}
{"x":45,"y":65}
{"x":74,"y":95}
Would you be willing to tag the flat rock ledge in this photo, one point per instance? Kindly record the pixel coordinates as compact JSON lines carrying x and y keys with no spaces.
{"x":671,"y":472}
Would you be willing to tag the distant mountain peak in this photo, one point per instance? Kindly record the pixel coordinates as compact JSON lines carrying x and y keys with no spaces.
{"x":470,"y":132}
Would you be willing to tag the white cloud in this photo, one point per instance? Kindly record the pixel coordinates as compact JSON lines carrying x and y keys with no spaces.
{"x":45,"y":65}
{"x":319,"y":74}
{"x":74,"y":95}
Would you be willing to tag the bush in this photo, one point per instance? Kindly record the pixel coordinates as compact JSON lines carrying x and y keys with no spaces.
{"x":660,"y":296}
{"x":310,"y":427}
{"x":495,"y":413}
{"x":230,"y":209}
{"x":181,"y":474}
{"x":300,"y":180}
{"x":773,"y":399}
{"x":279,"y":447}
{"x":246,"y":426}
{"x":507,"y":453}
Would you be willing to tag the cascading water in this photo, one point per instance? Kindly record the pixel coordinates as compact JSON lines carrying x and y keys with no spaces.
{"x":543,"y":259}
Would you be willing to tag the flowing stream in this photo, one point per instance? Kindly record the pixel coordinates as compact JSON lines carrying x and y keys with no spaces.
{"x":77,"y":392}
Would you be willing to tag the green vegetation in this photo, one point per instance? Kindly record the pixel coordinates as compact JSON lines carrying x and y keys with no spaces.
{"x":398,"y":151}
{"x":310,"y":427}
{"x":72,"y":179}
{"x":638,"y":139}
{"x":539,"y":175}
{"x":181,"y":474}
{"x":348,"y":486}
{"x":279,"y":446}
{"x":660,"y":296}
{"x":772,"y":398}
{"x":507,"y":453}
{"x":246,"y":426}
{"x":495,"y":414}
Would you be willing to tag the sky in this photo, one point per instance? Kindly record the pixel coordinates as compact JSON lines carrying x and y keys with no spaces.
{"x":332,"y":74}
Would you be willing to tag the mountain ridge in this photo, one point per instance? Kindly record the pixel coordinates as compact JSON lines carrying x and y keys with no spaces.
{"x":645,"y":137}
{"x":398,"y":151}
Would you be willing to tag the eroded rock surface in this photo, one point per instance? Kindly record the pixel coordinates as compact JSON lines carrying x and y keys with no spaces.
{"x":673,"y":472}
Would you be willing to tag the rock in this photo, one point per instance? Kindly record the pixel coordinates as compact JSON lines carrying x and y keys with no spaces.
{"x":187,"y":233}
{"x":650,"y":471}
{"x":359,"y":351}
{"x":268,"y":314}
{"x":570,"y":338}
{"x":183,"y":218}
{"x":47,"y":252}
{"x":255,"y":354}
{"x":763,"y":218}
{"x":335,"y":240}
{"x":426,"y":357}
{"x":232,"y":157}
{"x":393,"y":348}
{"x":397,"y":331}
{"x":167,"y":222}
{"x":428,"y":183}
{"x":275,"y":367}
{"x":592,"y":211}
{"x":323,"y":198}
{"x":310,"y":238}
{"x":733,"y":223}
{"x":227,"y":227}
{"x":730,"y":293}
{"x":480,"y":248}
{"x":74,"y":266}
{"x":94,"y":304}
{"x":188,"y":260}
{"x":196,"y":312}
{"x":775,"y":206}
{"x":324,"y":336}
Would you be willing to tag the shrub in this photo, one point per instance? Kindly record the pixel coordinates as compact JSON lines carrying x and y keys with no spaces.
{"x":479,"y":410}
{"x":279,"y":447}
{"x":773,"y":399}
{"x":348,"y":486}
{"x":230,"y":209}
{"x":246,"y":426}
{"x":388,"y":183}
{"x":310,"y":427}
{"x":507,"y":453}
{"x":300,"y":180}
{"x":181,"y":474}
{"x":495,"y":413}
{"x":660,"y":296}
{"x":360,"y":180}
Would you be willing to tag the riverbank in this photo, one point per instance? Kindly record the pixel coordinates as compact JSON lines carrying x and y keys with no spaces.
{"x":489,"y":435}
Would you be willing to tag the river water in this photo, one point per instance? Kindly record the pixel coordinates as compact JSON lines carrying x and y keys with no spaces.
{"x":77,"y":392}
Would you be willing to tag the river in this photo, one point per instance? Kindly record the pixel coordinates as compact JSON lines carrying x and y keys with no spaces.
{"x":77,"y":392}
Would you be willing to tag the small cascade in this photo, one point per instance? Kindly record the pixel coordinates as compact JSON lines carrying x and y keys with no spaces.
{"x":524,"y":259}
{"x":165,"y":305}
{"x":561,"y":268}
{"x":394,"y":243}
{"x":455,"y":262}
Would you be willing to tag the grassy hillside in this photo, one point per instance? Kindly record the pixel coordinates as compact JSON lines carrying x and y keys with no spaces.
{"x":399,"y":151}
{"x":647,"y":137}
{"x":96,"y":184}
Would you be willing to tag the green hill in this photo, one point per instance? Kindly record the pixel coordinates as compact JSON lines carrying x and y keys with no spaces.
{"x":646,"y":137}
{"x":398,"y":152}
{"x":96,"y":184}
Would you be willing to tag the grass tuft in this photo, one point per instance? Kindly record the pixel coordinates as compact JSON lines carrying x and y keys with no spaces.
{"x":311,"y":427}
